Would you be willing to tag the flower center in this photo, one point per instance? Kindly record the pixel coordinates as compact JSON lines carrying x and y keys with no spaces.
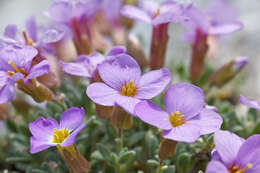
{"x":236,"y":169}
{"x":60,"y":135}
{"x":129,"y":89}
{"x":176,"y":119}
{"x":16,"y":69}
{"x":157,"y":12}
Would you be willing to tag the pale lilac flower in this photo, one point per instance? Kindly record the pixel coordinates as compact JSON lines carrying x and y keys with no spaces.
{"x":16,"y":64}
{"x":123,"y":84}
{"x":233,"y":154}
{"x":219,"y":19}
{"x":86,"y":66}
{"x":153,"y":13}
{"x":251,"y":103}
{"x":184,"y":119}
{"x":40,"y":37}
{"x":47,"y":132}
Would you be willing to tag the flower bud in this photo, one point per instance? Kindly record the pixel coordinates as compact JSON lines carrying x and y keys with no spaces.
{"x":36,"y":90}
{"x":121,"y":119}
{"x":167,"y":148}
{"x":135,"y":49}
{"x":66,"y":50}
{"x":228,"y":71}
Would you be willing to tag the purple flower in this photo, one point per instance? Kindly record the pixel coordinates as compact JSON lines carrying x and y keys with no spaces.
{"x":234,"y":154}
{"x":16,"y":64}
{"x":39,"y":37}
{"x":185,"y":119}
{"x":63,"y":11}
{"x":249,"y":102}
{"x":86,"y":66}
{"x":123,"y":84}
{"x":155,"y":14}
{"x":48,"y":132}
{"x":218,"y":19}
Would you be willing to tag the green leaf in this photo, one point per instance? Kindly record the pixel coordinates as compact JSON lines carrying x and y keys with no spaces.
{"x":153,"y":164}
{"x":18,"y":159}
{"x":123,"y":157}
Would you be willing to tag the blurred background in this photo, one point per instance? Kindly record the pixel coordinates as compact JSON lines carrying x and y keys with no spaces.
{"x":243,"y":43}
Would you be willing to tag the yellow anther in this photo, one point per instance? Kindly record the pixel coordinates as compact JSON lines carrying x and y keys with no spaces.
{"x":129,"y":89}
{"x":60,"y":135}
{"x":16,"y":69}
{"x":176,"y":119}
{"x":30,"y":42}
{"x":236,"y":169}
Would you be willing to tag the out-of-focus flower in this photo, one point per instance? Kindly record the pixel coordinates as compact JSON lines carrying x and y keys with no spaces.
{"x":78,"y":15}
{"x":184,"y":120}
{"x":234,"y":154}
{"x":16,"y":67}
{"x":159,"y":15}
{"x":87,"y":66}
{"x":251,"y":103}
{"x":228,"y":71}
{"x":123,"y":84}
{"x":203,"y":24}
{"x":48,"y":132}
{"x":211,"y":21}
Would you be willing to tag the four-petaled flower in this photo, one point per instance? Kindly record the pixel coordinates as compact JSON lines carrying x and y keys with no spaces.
{"x":185,"y":119}
{"x":16,"y":65}
{"x":123,"y":84}
{"x":233,"y":154}
{"x":48,"y":132}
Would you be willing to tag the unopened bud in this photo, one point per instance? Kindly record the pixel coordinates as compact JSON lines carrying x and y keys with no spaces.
{"x":228,"y":71}
{"x":135,"y":49}
{"x":36,"y":90}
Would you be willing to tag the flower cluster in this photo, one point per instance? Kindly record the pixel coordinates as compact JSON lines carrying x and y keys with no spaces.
{"x":89,"y":44}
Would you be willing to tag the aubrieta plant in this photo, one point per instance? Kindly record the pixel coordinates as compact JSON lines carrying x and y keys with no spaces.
{"x":77,"y":94}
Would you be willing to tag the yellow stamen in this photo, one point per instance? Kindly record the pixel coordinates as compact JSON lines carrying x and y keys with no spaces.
{"x":176,"y":119}
{"x":129,"y":89}
{"x":60,"y":135}
{"x":13,"y":66}
{"x":17,"y":70}
{"x":27,"y":40}
{"x":157,"y":12}
{"x":236,"y":169}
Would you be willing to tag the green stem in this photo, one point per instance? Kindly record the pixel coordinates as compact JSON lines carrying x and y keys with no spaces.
{"x":120,"y":140}
{"x":160,"y":168}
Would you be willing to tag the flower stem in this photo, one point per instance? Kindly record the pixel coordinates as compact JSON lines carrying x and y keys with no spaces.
{"x":120,"y":140}
{"x":160,"y":168}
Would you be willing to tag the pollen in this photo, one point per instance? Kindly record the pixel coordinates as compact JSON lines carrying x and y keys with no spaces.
{"x":60,"y":135}
{"x":176,"y":119}
{"x":236,"y":169}
{"x":129,"y":89}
